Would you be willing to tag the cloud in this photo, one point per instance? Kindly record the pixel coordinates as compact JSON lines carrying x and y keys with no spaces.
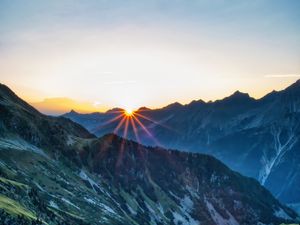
{"x":60,"y":105}
{"x":281,"y":75}
{"x":97,"y":104}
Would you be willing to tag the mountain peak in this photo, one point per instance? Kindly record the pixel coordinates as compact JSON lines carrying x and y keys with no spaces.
{"x":196,"y":102}
{"x":173,"y":105}
{"x":114,"y":110}
{"x":73,"y":112}
{"x":297,"y":82}
{"x":143,"y":108}
{"x":294,"y":86}
{"x":13,"y":99}
{"x":237,"y":98}
{"x":6,"y":91}
{"x":238,"y":94}
{"x":3,"y":86}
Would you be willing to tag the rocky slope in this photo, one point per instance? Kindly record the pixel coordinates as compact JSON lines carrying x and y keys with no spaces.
{"x":259,"y":138}
{"x":53,"y":171}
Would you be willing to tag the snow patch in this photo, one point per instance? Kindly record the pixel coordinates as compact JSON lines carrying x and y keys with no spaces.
{"x":281,"y":148}
{"x":193,"y":191}
{"x":39,"y":187}
{"x":132,"y":211}
{"x":154,"y":216}
{"x":218,"y":218}
{"x":161,"y":209}
{"x":89,"y":200}
{"x":186,"y":204}
{"x":84,"y":176}
{"x":180,"y":219}
{"x":183,"y":216}
{"x":149,"y":208}
{"x":103,"y":206}
{"x":175,"y":196}
{"x":21,"y":145}
{"x":53,"y":204}
{"x":107,"y":208}
{"x":70,"y":140}
{"x":70,"y":203}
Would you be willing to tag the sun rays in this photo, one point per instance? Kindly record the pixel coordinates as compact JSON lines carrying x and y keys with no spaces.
{"x":136,"y":125}
{"x":126,"y":122}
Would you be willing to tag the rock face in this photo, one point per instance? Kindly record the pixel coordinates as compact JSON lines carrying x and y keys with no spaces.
{"x":258,"y":138}
{"x":52,"y":170}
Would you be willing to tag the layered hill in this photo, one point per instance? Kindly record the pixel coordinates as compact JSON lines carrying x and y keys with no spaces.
{"x":257,"y":137}
{"x":53,"y":171}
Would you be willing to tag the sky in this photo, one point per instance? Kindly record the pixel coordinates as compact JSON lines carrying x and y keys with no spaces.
{"x":98,"y":54}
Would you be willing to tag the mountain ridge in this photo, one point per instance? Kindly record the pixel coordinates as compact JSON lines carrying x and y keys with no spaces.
{"x":71,"y":177}
{"x":256,"y":137}
{"x":236,"y":93}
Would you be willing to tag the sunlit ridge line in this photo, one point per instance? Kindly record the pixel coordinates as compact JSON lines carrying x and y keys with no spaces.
{"x":115,"y":111}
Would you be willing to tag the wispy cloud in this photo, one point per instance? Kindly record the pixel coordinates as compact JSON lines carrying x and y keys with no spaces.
{"x":281,"y":75}
{"x":97,"y":104}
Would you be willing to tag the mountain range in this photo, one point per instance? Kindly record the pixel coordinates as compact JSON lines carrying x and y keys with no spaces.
{"x":256,"y":137}
{"x":53,"y":171}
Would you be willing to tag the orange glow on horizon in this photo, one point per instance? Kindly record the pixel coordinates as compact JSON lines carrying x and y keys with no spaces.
{"x":47,"y":103}
{"x":63,"y":105}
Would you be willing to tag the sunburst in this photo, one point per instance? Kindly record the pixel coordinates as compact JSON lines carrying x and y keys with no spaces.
{"x":128,"y":112}
{"x":126,"y":119}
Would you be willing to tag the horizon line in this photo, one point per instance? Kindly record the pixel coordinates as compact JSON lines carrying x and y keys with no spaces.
{"x":148,"y":108}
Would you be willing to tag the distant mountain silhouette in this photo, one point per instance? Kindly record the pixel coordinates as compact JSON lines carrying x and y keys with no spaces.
{"x":54,"y":171}
{"x":259,"y":138}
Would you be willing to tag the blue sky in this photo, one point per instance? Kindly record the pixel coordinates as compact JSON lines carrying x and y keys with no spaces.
{"x":107,"y":51}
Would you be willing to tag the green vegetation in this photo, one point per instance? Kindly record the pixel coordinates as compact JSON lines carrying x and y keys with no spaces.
{"x":55,"y":172}
{"x":14,"y":183}
{"x":14,"y":208}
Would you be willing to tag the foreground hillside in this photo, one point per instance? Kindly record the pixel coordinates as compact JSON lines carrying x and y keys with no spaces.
{"x":258,"y":138}
{"x":53,"y":171}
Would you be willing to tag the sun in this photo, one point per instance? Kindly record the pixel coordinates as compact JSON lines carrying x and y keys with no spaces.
{"x":128,"y":112}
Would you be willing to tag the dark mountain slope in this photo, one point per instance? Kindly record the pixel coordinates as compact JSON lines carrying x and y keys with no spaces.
{"x":208,"y":185}
{"x":53,"y":171}
{"x":259,"y":138}
{"x":20,"y":119}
